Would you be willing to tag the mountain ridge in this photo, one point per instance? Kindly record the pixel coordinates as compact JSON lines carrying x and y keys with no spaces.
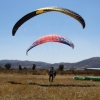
{"x":93,"y":62}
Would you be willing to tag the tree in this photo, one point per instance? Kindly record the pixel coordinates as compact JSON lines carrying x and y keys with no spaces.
{"x":61,"y":67}
{"x":7,"y":66}
{"x":20,"y":68}
{"x":25,"y":68}
{"x":34,"y":66}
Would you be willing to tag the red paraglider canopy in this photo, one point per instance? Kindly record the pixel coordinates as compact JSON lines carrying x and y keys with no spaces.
{"x":51,"y":38}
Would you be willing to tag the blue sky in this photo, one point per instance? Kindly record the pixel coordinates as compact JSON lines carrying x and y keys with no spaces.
{"x":86,"y":41}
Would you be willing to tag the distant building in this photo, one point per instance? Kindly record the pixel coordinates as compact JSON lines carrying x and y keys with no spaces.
{"x":92,"y":68}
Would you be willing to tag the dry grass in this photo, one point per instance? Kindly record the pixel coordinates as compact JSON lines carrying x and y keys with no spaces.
{"x":37,"y":87}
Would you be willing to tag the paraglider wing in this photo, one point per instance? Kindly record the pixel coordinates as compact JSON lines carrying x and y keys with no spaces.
{"x":44,"y":10}
{"x":51,"y":38}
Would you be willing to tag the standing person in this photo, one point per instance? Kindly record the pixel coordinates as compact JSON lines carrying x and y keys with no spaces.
{"x":51,"y":74}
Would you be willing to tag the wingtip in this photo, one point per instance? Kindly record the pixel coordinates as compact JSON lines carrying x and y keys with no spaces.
{"x":13,"y":33}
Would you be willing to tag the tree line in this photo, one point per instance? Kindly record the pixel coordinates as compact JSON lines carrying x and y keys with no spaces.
{"x":8,"y":66}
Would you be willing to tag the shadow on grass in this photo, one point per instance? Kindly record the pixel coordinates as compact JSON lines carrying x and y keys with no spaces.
{"x":66,"y":85}
{"x":54,"y":85}
{"x":12,"y":82}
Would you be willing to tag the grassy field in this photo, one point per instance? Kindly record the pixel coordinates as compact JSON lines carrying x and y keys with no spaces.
{"x":14,"y":86}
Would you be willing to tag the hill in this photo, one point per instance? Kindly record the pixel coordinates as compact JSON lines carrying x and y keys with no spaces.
{"x":87,"y":63}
